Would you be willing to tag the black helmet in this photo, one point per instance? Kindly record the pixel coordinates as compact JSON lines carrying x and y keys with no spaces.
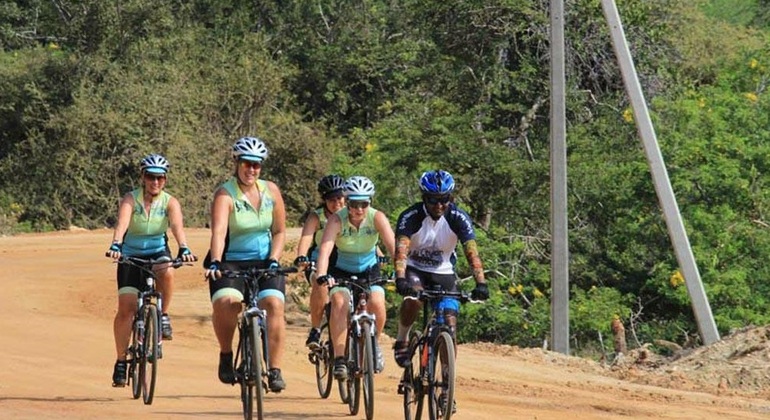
{"x":330,"y":184}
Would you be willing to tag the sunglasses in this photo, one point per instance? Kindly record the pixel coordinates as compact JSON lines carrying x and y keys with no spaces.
{"x":358,"y":204}
{"x":151,"y":177}
{"x":249,"y":164}
{"x":437,"y":200}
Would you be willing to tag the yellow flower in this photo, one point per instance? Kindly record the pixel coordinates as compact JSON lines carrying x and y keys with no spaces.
{"x":701,"y":103}
{"x":753,"y":63}
{"x":676,"y":279}
{"x":537,"y":293}
{"x":751,"y":96}
{"x":53,"y":46}
{"x":369,"y":147}
{"x":628,"y":115}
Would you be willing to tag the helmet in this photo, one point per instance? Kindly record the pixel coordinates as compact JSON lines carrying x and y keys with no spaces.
{"x":437,"y":182}
{"x":154,"y":164}
{"x":330,"y":184}
{"x":359,"y":188}
{"x":250,"y":148}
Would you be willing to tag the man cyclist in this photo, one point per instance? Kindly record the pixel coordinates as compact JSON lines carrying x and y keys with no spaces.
{"x":427,"y":234}
{"x":144,"y":217}
{"x":355,"y":231}
{"x":331,"y":189}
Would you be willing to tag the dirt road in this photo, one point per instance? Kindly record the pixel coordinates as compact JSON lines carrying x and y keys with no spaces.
{"x":56,"y":357}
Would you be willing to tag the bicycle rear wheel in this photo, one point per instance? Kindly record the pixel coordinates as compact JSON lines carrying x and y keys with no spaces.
{"x":366,"y":359}
{"x":149,"y":362}
{"x":353,"y":383}
{"x":411,"y":382}
{"x":324,"y":363}
{"x":441,"y":387}
{"x":258,"y":368}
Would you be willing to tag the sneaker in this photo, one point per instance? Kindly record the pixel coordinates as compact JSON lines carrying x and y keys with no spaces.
{"x":340,"y":368}
{"x":401,"y":353}
{"x":275,"y":381}
{"x":226,"y":373}
{"x":442,"y":403}
{"x":380,"y":359}
{"x":165,"y":327}
{"x":313,"y":339}
{"x":119,"y":374}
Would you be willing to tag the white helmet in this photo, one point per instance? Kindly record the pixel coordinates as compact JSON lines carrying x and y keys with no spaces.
{"x":154,"y":164}
{"x":359,"y":188}
{"x":250,"y":148}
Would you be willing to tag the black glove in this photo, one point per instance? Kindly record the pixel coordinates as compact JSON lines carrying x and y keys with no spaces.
{"x":403,"y":287}
{"x":383,"y":260}
{"x":115,"y":250}
{"x":213,"y":272}
{"x":183,"y":252}
{"x":302,"y":259}
{"x":481,"y":292}
{"x":273,"y":264}
{"x":323,"y":279}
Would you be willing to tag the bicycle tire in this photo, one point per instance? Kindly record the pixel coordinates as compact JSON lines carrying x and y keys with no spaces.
{"x":243,"y":372}
{"x":414,"y":394}
{"x":324,"y":363}
{"x":149,"y":363}
{"x":354,"y":379}
{"x":367,"y":368}
{"x":133,"y":356}
{"x":441,"y":377}
{"x":259,"y":370}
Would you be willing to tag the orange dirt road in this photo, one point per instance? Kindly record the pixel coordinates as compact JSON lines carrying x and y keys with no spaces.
{"x":56,"y":357}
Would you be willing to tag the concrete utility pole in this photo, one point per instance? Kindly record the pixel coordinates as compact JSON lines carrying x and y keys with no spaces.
{"x":559,"y":240}
{"x":676,"y":231}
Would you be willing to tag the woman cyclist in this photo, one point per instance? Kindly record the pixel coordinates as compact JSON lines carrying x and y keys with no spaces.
{"x":331,"y":189}
{"x":144,"y":216}
{"x":426,"y":238}
{"x":355,"y":231}
{"x":248,"y":229}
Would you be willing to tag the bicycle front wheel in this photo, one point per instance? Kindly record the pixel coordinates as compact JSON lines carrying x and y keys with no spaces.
{"x":149,"y":363}
{"x":411,"y":382}
{"x":441,"y":386}
{"x":353,"y":383}
{"x":257,"y":366}
{"x":324,"y":363}
{"x":134,"y":355}
{"x":366,"y":359}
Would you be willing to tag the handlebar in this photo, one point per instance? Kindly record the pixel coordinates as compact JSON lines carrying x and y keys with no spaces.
{"x":429,"y":295}
{"x":257,"y":272}
{"x":144,"y":262}
{"x":358,"y":282}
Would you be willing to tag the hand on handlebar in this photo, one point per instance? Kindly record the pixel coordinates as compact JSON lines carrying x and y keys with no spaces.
{"x":115,"y":251}
{"x":214,"y":272}
{"x":481,"y":292}
{"x":326,"y":279}
{"x":185,"y":255}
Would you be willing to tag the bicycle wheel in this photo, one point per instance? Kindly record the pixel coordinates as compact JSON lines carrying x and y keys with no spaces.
{"x":324,"y":363}
{"x":149,"y":363}
{"x":134,"y":354}
{"x":258,"y":368}
{"x":354,"y":379}
{"x":411,"y":382}
{"x":441,"y":386}
{"x":367,"y":368}
{"x":243,"y":372}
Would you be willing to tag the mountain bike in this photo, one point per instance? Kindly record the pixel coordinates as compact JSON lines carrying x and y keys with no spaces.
{"x":252,"y":360}
{"x":146,"y":347}
{"x":360,"y":345}
{"x":322,"y":357}
{"x":431,"y":372}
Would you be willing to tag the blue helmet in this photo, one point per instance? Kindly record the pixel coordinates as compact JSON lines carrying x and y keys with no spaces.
{"x":437,"y":182}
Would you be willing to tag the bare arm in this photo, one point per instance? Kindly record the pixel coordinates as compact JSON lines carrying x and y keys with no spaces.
{"x":308,"y":230}
{"x":176,"y":222}
{"x":125,"y":208}
{"x":220,"y":214}
{"x":332,"y":229}
{"x":387,"y":236}
{"x":279,"y":223}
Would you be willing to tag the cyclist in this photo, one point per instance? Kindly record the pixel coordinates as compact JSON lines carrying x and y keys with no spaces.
{"x":248,"y":229}
{"x":355,"y":230}
{"x":426,"y":238}
{"x":144,"y":217}
{"x":331,"y":189}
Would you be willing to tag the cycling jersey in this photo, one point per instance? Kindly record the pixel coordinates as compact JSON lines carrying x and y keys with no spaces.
{"x":146,"y":233}
{"x":433,"y":242}
{"x":249,"y":233}
{"x":356,"y":247}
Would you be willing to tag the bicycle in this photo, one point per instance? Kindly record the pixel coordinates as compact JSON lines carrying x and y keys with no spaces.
{"x":252,"y":360}
{"x":322,"y":356}
{"x":359,"y":345}
{"x":146,"y":347}
{"x":431,"y":370}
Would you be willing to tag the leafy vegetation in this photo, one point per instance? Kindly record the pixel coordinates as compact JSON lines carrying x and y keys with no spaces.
{"x":389,"y":89}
